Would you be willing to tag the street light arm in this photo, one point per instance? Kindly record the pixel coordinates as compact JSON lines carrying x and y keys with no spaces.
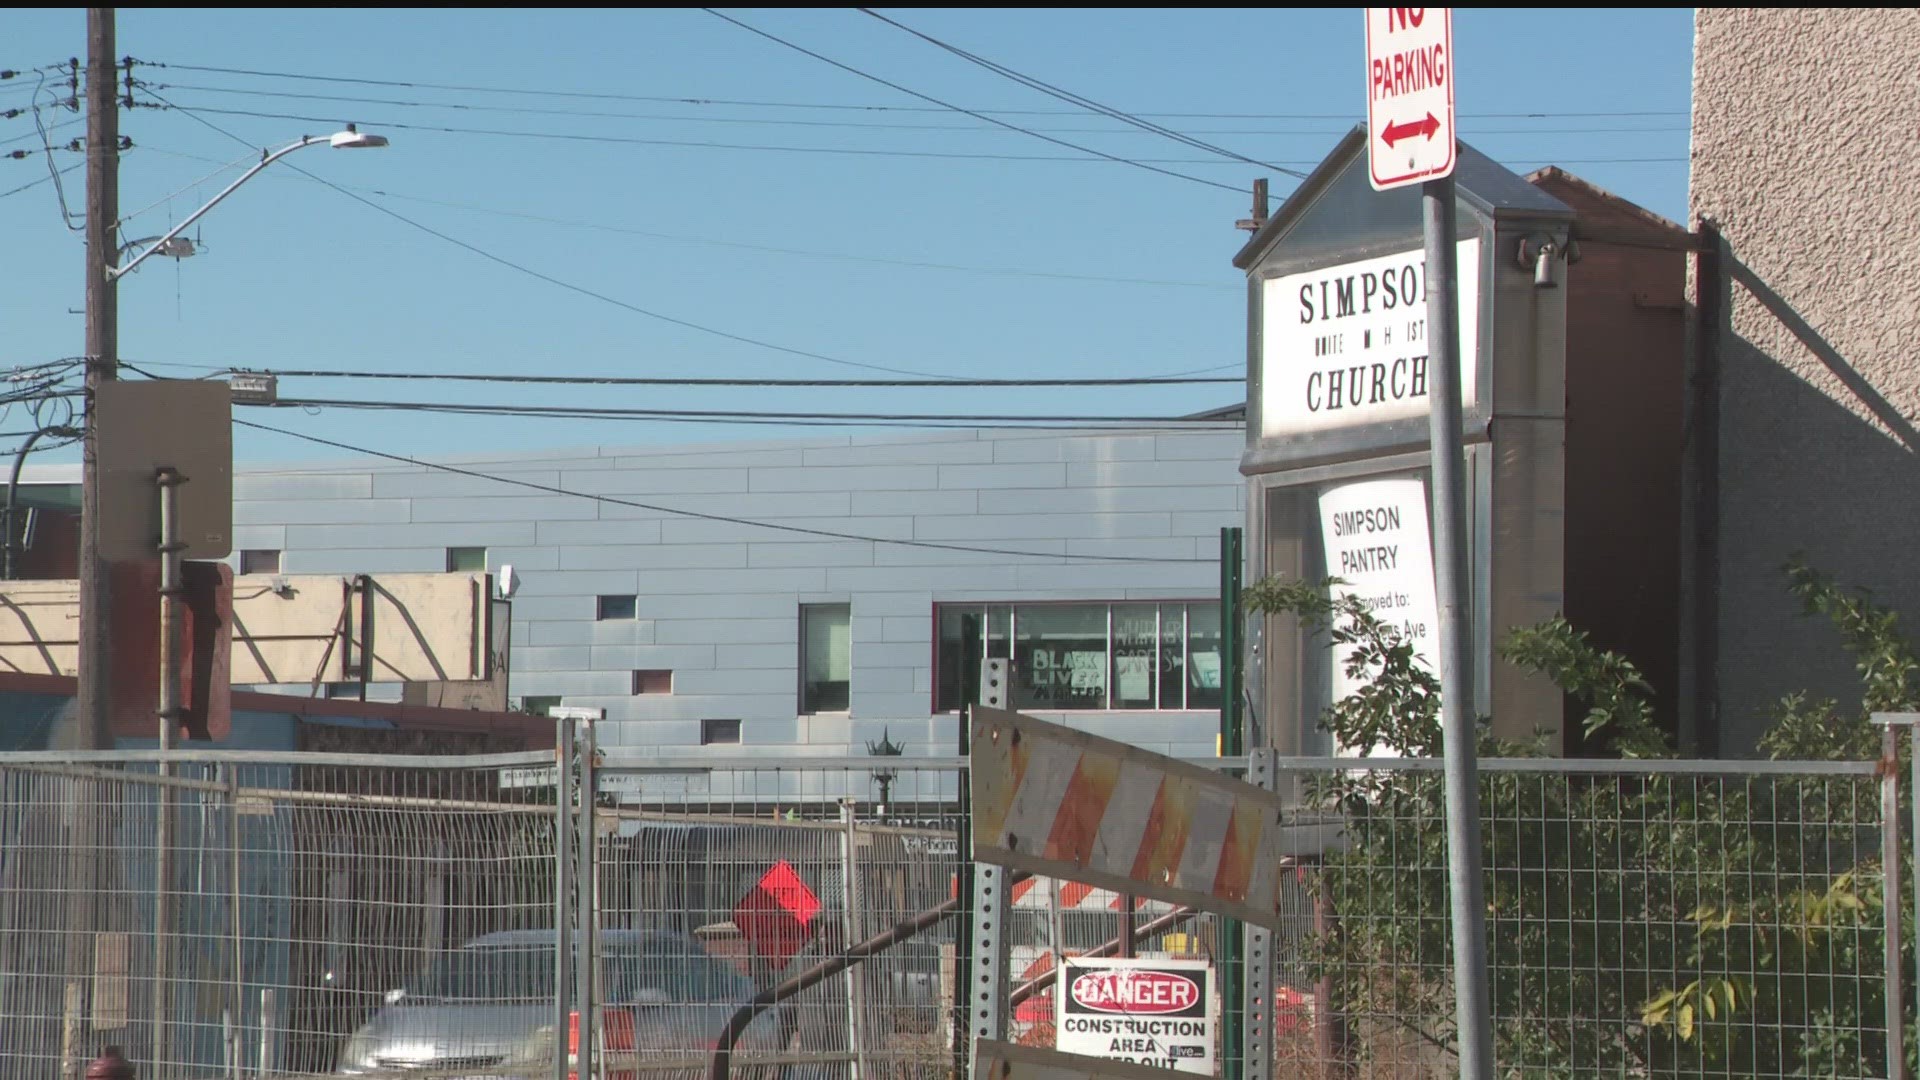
{"x":115,"y":272}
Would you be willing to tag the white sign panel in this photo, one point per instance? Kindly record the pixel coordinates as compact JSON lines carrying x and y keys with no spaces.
{"x":1378,"y":543}
{"x":1410,"y":135}
{"x":1346,"y":346}
{"x":1151,"y":1012}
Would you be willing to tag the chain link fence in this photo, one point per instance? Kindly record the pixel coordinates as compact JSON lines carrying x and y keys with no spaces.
{"x":391,"y":916}
{"x":407,"y":917}
{"x":291,"y":894}
{"x":778,"y":867}
{"x":1644,"y":919}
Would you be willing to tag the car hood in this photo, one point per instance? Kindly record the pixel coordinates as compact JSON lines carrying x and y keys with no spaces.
{"x":433,"y":1033}
{"x":415,"y":1035}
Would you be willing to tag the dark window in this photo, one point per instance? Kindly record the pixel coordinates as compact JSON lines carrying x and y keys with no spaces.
{"x":462,"y":560}
{"x":618,"y":607}
{"x":1060,"y":657}
{"x":715,"y":732}
{"x":1080,"y":656}
{"x":653,"y":682}
{"x":826,"y":657}
{"x":259,"y":561}
{"x":539,"y":705}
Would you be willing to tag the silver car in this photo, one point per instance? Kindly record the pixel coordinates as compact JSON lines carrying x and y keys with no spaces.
{"x":488,"y":1006}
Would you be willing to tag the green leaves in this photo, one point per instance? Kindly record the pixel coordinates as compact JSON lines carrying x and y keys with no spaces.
{"x":1685,"y":1010}
{"x":1620,"y":708}
{"x":1611,"y":897}
{"x":1397,"y":707}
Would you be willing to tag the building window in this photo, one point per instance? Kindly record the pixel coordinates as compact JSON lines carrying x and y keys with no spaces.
{"x":259,"y":561}
{"x":617,"y":607}
{"x":826,"y":657}
{"x":340,"y":690}
{"x":718,"y":732}
{"x":466,"y":560}
{"x":1080,"y":656}
{"x":653,"y":682}
{"x":540,"y":705}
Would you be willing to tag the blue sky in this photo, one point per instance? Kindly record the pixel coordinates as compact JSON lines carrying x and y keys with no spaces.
{"x":1069,"y":268}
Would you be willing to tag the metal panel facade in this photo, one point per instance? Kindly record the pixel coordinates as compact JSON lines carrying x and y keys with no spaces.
{"x":718,"y":601}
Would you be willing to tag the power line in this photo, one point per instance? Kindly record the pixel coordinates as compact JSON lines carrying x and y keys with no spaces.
{"x":41,"y":180}
{"x":916,"y":264}
{"x":839,"y":256}
{"x":837,"y":425}
{"x":237,"y":162}
{"x":614,"y":413}
{"x":553,"y":489}
{"x":625,"y":380}
{"x":219,"y":370}
{"x":734,"y":102}
{"x":1151,"y":164}
{"x":55,"y":126}
{"x":787,"y":121}
{"x":66,"y":215}
{"x":1084,"y":102}
{"x":976,"y":115}
{"x":567,"y":285}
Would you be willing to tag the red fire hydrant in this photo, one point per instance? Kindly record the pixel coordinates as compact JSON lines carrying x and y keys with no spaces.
{"x":110,"y":1065}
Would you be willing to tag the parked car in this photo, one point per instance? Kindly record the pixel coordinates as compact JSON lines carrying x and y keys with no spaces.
{"x":489,"y":1005}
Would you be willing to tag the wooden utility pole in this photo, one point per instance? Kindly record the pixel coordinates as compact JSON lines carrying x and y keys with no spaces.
{"x":95,"y":692}
{"x":94,"y":717}
{"x":1259,"y":218}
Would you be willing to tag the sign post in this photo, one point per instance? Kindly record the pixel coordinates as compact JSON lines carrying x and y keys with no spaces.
{"x":1411,"y":139}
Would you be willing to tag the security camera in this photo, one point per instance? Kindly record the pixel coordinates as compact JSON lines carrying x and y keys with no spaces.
{"x":508,"y":582}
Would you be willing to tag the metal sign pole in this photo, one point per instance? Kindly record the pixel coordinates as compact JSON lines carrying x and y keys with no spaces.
{"x":1457,"y":718}
{"x":168,"y":481}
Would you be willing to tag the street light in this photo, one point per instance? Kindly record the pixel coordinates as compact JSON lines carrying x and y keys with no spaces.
{"x":351,"y":139}
{"x":103,"y":279}
{"x":177,"y":248}
{"x":94,"y":683}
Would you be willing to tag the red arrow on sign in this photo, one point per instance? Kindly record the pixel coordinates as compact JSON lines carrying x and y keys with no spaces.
{"x":1395,"y":132}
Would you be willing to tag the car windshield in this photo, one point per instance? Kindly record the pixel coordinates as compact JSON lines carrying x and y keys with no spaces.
{"x":525,"y":972}
{"x":488,"y":973}
{"x":678,"y":976}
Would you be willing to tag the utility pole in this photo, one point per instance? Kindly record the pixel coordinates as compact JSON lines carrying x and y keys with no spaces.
{"x":1260,"y":211}
{"x":95,"y":692}
{"x":94,"y":725}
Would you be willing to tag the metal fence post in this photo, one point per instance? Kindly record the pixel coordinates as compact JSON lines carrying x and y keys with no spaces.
{"x":1232,"y":744}
{"x":563,"y":906}
{"x":587,"y":967}
{"x":1256,"y":958}
{"x":987,"y":996}
{"x":1890,"y":860}
{"x":269,"y":1023}
{"x":850,"y":923}
{"x":168,"y":482}
{"x":236,"y":1039}
{"x":1890,"y":855}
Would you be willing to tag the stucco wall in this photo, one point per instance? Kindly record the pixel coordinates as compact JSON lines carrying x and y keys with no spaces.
{"x":1804,"y":130}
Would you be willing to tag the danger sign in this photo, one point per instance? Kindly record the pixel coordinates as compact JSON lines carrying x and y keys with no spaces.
{"x":1150,"y":1012}
{"x":1410,"y":134}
